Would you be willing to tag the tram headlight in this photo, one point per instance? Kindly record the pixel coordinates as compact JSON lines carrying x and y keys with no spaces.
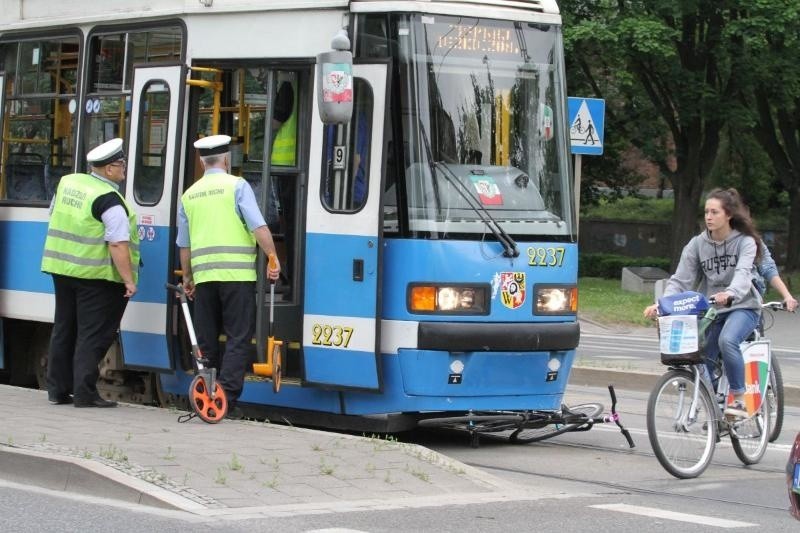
{"x":556,"y":300}
{"x":448,"y":299}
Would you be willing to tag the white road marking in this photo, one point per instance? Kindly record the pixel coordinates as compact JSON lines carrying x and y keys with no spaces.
{"x":652,"y":512}
{"x":335,"y":530}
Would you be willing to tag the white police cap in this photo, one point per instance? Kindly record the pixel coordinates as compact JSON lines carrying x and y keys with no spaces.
{"x":213,"y":145}
{"x":106,"y":153}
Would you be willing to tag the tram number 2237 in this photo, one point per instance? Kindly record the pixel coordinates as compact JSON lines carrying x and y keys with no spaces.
{"x":545,"y":256}
{"x":327,"y":335}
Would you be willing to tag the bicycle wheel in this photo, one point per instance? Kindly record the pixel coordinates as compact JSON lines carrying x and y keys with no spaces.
{"x":539,"y":430}
{"x":750,"y":436}
{"x":682,"y":441}
{"x":775,"y":399}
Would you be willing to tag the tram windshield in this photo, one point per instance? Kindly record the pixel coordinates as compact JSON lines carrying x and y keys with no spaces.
{"x":482,"y":113}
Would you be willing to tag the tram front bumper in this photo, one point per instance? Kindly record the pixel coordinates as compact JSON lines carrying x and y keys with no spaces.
{"x":498,"y":337}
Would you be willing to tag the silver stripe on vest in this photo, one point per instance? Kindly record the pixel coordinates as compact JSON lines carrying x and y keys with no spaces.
{"x":81,"y":261}
{"x":224,"y":265}
{"x":74,"y":238}
{"x":84,"y":240}
{"x":208,"y":250}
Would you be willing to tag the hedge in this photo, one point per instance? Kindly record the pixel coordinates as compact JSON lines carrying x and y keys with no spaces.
{"x":610,"y":265}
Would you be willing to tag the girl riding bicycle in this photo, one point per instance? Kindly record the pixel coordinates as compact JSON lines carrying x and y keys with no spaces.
{"x":719,"y":263}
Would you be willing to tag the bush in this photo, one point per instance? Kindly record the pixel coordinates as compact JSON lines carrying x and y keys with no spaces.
{"x":610,"y":265}
{"x":633,"y":208}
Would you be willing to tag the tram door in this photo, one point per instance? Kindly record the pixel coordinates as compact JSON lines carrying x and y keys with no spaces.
{"x":342,"y":251}
{"x":157,"y":97}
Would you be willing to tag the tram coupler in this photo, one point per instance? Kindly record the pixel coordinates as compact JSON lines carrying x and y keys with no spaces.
{"x":615,"y":417}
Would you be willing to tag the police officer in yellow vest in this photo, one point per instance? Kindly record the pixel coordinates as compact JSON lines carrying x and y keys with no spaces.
{"x":219,"y":224}
{"x":92,"y":252}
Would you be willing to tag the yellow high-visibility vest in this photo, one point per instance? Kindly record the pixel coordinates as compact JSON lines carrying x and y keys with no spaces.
{"x":223,"y":248}
{"x":75,"y":245}
{"x":284,"y":149}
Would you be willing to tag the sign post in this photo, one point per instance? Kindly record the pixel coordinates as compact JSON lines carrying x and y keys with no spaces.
{"x":586,"y":133}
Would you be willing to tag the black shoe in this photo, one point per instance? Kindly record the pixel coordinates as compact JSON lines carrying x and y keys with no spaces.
{"x":234,"y":413}
{"x":97,"y":402}
{"x":59,"y":399}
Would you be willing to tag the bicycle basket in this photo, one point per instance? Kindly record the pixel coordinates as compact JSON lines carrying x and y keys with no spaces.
{"x":678,"y":340}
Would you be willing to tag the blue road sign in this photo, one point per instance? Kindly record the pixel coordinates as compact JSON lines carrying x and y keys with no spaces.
{"x":586,"y":121}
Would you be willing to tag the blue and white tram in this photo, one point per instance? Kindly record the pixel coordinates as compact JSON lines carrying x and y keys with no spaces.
{"x":429,"y":244}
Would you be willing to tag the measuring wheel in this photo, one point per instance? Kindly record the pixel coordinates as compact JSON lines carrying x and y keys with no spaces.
{"x":277,"y":367}
{"x":211,"y":410}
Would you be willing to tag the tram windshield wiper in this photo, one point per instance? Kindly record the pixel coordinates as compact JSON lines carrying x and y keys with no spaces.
{"x":509,"y":246}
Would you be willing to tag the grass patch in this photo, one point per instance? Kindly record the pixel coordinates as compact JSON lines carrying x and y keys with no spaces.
{"x":604,"y":301}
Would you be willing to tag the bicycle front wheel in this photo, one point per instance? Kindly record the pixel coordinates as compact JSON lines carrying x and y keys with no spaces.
{"x":775,"y":399}
{"x":573,"y":418}
{"x":750,"y":436}
{"x":682,"y":432}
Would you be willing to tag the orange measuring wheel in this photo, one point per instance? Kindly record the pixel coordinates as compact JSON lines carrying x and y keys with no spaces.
{"x":277,"y":364}
{"x":211,"y":410}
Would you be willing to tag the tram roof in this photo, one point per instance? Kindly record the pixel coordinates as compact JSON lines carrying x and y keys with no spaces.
{"x":30,"y":14}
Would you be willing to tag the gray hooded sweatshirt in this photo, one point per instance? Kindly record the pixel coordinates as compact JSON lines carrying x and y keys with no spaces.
{"x":710,"y":267}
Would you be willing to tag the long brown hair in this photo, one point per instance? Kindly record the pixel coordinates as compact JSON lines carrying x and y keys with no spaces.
{"x":741,"y":221}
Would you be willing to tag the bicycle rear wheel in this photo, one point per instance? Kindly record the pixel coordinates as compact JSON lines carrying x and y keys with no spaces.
{"x":750,"y":437}
{"x":539,"y":430}
{"x":682,"y":437}
{"x":775,"y":399}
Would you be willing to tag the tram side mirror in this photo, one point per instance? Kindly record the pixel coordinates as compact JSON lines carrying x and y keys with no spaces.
{"x":335,"y":87}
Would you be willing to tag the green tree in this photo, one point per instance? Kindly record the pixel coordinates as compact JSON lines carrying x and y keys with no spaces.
{"x":765,"y":42}
{"x":673,"y":52}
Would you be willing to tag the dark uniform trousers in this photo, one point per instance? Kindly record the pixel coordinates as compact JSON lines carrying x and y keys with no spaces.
{"x":87,"y":316}
{"x":227,"y":306}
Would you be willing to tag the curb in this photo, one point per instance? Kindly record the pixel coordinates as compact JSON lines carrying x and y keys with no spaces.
{"x":82,"y":476}
{"x":645,"y":381}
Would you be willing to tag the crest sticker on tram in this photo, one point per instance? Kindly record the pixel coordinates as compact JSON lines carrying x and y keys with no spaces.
{"x":512,"y":289}
{"x":488,"y":191}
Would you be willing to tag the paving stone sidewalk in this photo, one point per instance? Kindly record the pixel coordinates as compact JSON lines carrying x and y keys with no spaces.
{"x":143,"y":454}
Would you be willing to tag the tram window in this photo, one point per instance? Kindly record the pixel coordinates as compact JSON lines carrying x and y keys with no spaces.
{"x":148,"y":183}
{"x":345,"y":173}
{"x":373,"y":36}
{"x":106,"y":116}
{"x":40,"y":116}
{"x":108,"y":63}
{"x":152,"y":46}
{"x":114,"y":55}
{"x":106,"y":111}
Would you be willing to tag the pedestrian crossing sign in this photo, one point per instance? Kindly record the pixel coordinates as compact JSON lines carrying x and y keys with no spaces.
{"x":586,"y":121}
